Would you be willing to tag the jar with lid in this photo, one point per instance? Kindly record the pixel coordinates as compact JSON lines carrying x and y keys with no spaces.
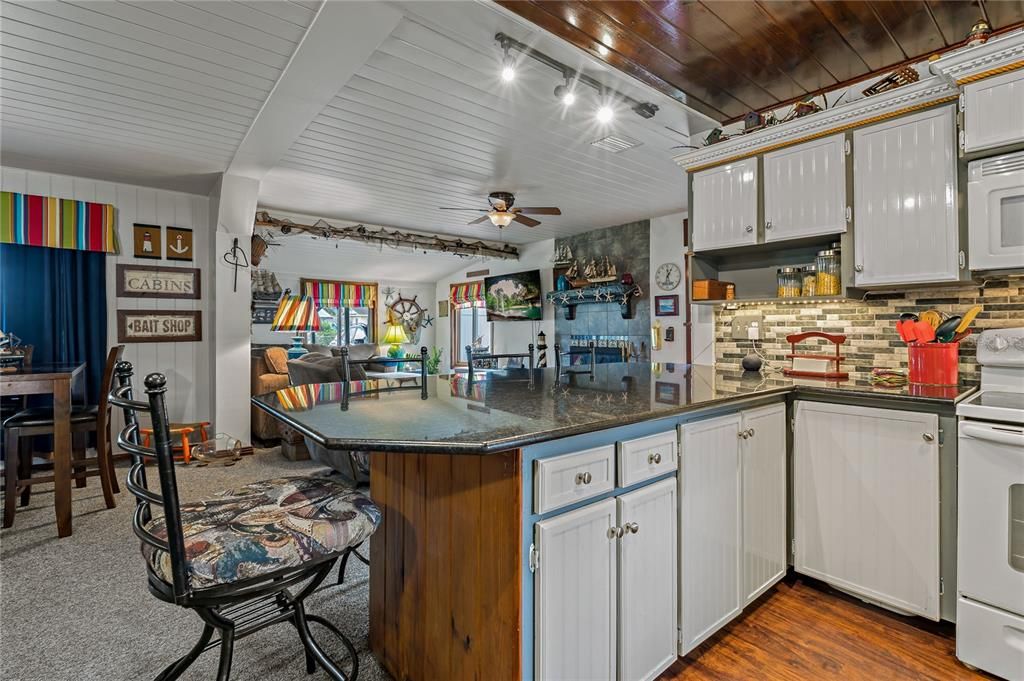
{"x":789,"y":282}
{"x":809,"y":286}
{"x":829,"y":273}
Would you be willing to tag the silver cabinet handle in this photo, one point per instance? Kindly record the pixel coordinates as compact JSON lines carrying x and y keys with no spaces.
{"x":750,"y":432}
{"x":632,"y":527}
{"x":768,"y":224}
{"x":742,"y":434}
{"x":615,"y":532}
{"x":750,"y":228}
{"x":654,"y":458}
{"x":584,"y":478}
{"x":928,"y":437}
{"x":859,"y":268}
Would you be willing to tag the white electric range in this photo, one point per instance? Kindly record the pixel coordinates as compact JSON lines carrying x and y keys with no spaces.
{"x":990,"y":511}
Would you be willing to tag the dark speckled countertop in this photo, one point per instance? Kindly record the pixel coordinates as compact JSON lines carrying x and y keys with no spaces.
{"x":503,"y":410}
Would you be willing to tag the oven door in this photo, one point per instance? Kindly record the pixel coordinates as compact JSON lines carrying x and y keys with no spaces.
{"x":990,"y":514}
{"x":995,"y":212}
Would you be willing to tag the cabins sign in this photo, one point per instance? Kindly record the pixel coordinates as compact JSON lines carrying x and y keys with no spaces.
{"x":149,"y":281}
{"x":159,"y":326}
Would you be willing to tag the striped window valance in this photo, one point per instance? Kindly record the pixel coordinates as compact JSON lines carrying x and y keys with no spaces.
{"x":33,"y":220}
{"x":339,"y":293}
{"x":468,"y":293}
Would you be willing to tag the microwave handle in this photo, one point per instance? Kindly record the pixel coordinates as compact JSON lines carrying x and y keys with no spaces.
{"x":1004,"y":436}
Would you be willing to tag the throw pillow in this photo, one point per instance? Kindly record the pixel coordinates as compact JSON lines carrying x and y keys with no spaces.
{"x":276,"y":359}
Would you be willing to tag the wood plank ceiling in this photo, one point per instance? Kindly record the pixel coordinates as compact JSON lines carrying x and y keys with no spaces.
{"x":725,"y":58}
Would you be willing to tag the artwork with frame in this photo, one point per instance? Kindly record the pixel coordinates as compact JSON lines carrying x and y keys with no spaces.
{"x":154,"y":281}
{"x":442,"y":308}
{"x":179,"y":243}
{"x":666,"y":393}
{"x":666,"y":306}
{"x":146,"y":240}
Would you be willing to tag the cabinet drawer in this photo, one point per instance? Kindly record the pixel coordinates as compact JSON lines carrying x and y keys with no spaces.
{"x":563,"y":480}
{"x":647,"y":457}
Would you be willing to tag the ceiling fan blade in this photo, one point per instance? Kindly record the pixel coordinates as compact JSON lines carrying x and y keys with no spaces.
{"x":550,"y":210}
{"x":482,"y":218}
{"x":529,"y":222}
{"x":481,"y":210}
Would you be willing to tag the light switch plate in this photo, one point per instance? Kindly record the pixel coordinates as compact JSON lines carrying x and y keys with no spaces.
{"x":741,"y":324}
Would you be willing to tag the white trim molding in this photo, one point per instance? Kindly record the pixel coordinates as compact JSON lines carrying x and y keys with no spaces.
{"x":968,"y":63}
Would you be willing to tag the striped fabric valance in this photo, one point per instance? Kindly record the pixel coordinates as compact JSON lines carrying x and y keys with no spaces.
{"x":339,"y":294}
{"x":33,"y":220}
{"x":296,"y":314}
{"x":463,"y":294}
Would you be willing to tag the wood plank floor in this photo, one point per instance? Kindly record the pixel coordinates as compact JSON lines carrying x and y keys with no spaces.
{"x":803,"y":630}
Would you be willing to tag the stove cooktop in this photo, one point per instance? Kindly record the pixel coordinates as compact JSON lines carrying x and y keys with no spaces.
{"x":994,"y":405}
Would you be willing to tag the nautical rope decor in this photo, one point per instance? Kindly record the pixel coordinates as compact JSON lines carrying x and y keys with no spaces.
{"x":33,"y":220}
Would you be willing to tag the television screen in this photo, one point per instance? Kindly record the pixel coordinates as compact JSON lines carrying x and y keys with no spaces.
{"x":513,"y":297}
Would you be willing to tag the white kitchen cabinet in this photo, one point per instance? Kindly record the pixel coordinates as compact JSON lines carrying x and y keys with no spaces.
{"x":764,"y":499}
{"x":905,"y":200}
{"x":724,"y":209}
{"x":710,"y":527}
{"x":647,"y":581}
{"x":805,"y":189}
{"x":866,"y":503}
{"x":993,"y":112}
{"x":576,"y":594}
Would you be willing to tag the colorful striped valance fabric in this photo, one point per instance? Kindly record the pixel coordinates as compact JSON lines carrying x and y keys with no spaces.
{"x":33,"y":220}
{"x":463,"y":294}
{"x":296,"y":314}
{"x":339,"y":293}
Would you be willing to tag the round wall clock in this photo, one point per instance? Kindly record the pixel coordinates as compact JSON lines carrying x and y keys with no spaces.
{"x":668,"y":276}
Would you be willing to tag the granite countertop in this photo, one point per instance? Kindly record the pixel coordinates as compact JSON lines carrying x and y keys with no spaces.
{"x":503,"y":410}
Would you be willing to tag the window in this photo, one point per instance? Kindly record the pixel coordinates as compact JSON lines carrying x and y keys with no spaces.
{"x":469,"y":327}
{"x":345,"y":326}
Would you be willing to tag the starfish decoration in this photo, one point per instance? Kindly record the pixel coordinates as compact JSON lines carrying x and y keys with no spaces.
{"x":625,"y":397}
{"x":580,"y":398}
{"x":427,"y":321}
{"x":565,"y":298}
{"x":389,"y":293}
{"x":580,"y":294}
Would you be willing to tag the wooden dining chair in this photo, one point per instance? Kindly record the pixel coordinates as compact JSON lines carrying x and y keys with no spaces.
{"x":19,"y":470}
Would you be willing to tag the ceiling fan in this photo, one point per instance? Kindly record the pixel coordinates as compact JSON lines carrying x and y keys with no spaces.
{"x":501,"y":213}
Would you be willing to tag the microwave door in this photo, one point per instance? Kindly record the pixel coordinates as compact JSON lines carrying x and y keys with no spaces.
{"x":996,"y":220}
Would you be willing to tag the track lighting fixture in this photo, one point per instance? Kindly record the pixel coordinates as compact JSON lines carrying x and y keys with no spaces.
{"x":508,"y":66}
{"x":605,"y":114}
{"x":565,"y":92}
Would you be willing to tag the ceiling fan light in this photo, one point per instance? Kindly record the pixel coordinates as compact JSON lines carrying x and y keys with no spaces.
{"x":501,"y":218}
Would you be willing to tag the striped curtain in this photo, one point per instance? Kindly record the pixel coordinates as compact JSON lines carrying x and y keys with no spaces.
{"x":32,"y":220}
{"x":339,"y":294}
{"x":296,"y":314}
{"x":467,"y":294}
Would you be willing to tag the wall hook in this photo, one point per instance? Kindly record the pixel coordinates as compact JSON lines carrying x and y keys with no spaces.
{"x":236,"y":258}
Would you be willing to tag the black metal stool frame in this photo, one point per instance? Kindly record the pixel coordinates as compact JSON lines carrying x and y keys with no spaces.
{"x":234,"y":610}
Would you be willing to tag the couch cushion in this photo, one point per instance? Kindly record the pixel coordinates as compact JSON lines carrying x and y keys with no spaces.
{"x":276,"y":359}
{"x":263,"y":527}
{"x":322,"y":349}
{"x":361,"y":351}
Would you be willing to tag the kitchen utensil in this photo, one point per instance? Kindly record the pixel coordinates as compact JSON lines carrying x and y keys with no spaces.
{"x":923,"y":332}
{"x":908,"y":315}
{"x":968,"y":318}
{"x":960,"y":336}
{"x":905,"y":328}
{"x":947,"y":329}
{"x":932,"y":317}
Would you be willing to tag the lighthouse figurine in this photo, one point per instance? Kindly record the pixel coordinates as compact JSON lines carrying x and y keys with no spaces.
{"x":542,"y":346}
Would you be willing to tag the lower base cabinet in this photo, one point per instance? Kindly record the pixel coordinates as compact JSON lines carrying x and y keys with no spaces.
{"x":732,"y":510}
{"x":605,"y":588}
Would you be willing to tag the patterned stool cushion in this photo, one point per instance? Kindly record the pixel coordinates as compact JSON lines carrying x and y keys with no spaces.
{"x":264,"y":527}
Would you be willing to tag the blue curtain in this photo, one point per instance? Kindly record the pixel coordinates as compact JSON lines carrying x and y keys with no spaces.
{"x":56,"y":300}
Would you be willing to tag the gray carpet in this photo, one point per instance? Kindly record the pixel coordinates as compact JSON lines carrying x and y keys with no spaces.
{"x":78,"y":608}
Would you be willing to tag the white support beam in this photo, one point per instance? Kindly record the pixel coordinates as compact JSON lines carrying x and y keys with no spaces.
{"x":339,"y":41}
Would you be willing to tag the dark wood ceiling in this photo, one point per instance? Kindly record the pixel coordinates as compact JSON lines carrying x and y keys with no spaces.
{"x":727,"y":57}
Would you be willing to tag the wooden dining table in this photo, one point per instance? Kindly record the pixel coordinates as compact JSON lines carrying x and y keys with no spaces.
{"x":56,"y":380}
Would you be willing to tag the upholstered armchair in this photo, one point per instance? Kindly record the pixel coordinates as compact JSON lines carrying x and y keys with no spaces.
{"x":269,"y":372}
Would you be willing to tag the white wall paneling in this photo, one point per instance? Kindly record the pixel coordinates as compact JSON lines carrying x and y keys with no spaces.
{"x":186,"y":365}
{"x":667,"y":246}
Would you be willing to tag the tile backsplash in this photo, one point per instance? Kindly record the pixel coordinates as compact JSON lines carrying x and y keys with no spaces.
{"x":869,"y":325}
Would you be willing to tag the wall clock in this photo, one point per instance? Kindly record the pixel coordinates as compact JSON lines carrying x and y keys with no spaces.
{"x":668,"y":276}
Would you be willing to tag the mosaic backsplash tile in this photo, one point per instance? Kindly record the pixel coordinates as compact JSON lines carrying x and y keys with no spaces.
{"x":869,"y":325}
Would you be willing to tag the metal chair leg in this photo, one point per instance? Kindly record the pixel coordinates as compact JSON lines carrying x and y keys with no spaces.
{"x":11,"y":466}
{"x":322,"y":657}
{"x":344,"y":561}
{"x":178,"y":667}
{"x":227,"y":648}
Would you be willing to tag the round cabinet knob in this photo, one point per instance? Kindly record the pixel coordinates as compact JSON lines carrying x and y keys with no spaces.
{"x":633,"y":527}
{"x":859,"y":268}
{"x":742,"y":434}
{"x":928,"y":437}
{"x":654,"y":458}
{"x":584,"y":478}
{"x":750,"y":431}
{"x":615,"y":532}
{"x":750,"y":228}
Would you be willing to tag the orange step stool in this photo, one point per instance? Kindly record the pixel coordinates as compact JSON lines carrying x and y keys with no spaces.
{"x":182,"y":430}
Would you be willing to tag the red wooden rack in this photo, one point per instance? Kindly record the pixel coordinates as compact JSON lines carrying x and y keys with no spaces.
{"x":835,"y":359}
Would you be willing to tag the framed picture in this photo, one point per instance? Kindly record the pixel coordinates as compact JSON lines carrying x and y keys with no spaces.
{"x":179,"y":243}
{"x":666,"y":306}
{"x":666,"y":393}
{"x":147,"y":241}
{"x":159,"y":326}
{"x":513,"y":297}
{"x":153,"y":281}
{"x":442,"y":308}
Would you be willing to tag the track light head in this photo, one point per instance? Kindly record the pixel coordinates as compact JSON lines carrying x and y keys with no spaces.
{"x":645,"y":109}
{"x":565,"y":95}
{"x":605,"y":114}
{"x":508,"y":67}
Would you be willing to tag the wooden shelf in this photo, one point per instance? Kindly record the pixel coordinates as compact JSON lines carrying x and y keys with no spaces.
{"x":617,"y":294}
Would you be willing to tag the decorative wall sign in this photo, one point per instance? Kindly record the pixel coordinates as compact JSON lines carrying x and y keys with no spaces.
{"x":147,"y":241}
{"x":179,"y":243}
{"x":159,"y":326}
{"x":442,"y":308}
{"x":153,"y":281}
{"x":666,"y":306}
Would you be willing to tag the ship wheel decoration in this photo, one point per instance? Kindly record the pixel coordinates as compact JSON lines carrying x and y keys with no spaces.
{"x":410,"y":314}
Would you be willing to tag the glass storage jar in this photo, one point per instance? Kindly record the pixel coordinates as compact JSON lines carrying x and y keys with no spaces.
{"x":809,"y":286}
{"x":828,"y":276}
{"x":789,"y":282}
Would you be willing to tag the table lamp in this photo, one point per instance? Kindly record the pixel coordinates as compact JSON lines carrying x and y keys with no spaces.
{"x":394,"y":335}
{"x":296,"y":315}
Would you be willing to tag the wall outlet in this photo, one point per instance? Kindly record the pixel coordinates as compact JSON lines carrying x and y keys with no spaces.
{"x":744,"y":324}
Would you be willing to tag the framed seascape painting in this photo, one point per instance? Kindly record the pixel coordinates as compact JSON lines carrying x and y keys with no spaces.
{"x":513,"y":297}
{"x":666,"y":306}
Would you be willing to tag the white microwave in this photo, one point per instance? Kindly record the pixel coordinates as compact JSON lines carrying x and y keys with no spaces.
{"x":995,"y":212}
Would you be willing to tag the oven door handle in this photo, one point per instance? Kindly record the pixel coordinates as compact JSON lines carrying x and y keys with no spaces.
{"x":1004,"y":436}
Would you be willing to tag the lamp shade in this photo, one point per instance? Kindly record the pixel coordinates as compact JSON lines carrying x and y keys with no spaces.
{"x":296,"y":314}
{"x":394,"y":335}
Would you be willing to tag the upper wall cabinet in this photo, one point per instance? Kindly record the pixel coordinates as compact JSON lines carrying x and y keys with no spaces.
{"x":905,"y":201}
{"x":805,"y":189}
{"x":993,"y":112}
{"x":725,"y":206}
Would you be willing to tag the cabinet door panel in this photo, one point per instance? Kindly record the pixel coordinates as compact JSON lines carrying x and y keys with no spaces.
{"x":709,"y":508}
{"x":725,"y":206}
{"x":575,"y":594}
{"x":647,"y":581}
{"x":805,"y":189}
{"x":905,"y":201}
{"x":866,"y":502}
{"x":994,"y":111}
{"x":764,"y":499}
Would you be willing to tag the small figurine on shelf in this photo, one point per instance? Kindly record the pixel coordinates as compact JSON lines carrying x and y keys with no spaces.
{"x":590,"y":271}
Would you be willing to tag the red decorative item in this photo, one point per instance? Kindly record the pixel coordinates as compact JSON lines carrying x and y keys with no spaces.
{"x":816,"y":365}
{"x":934,"y":363}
